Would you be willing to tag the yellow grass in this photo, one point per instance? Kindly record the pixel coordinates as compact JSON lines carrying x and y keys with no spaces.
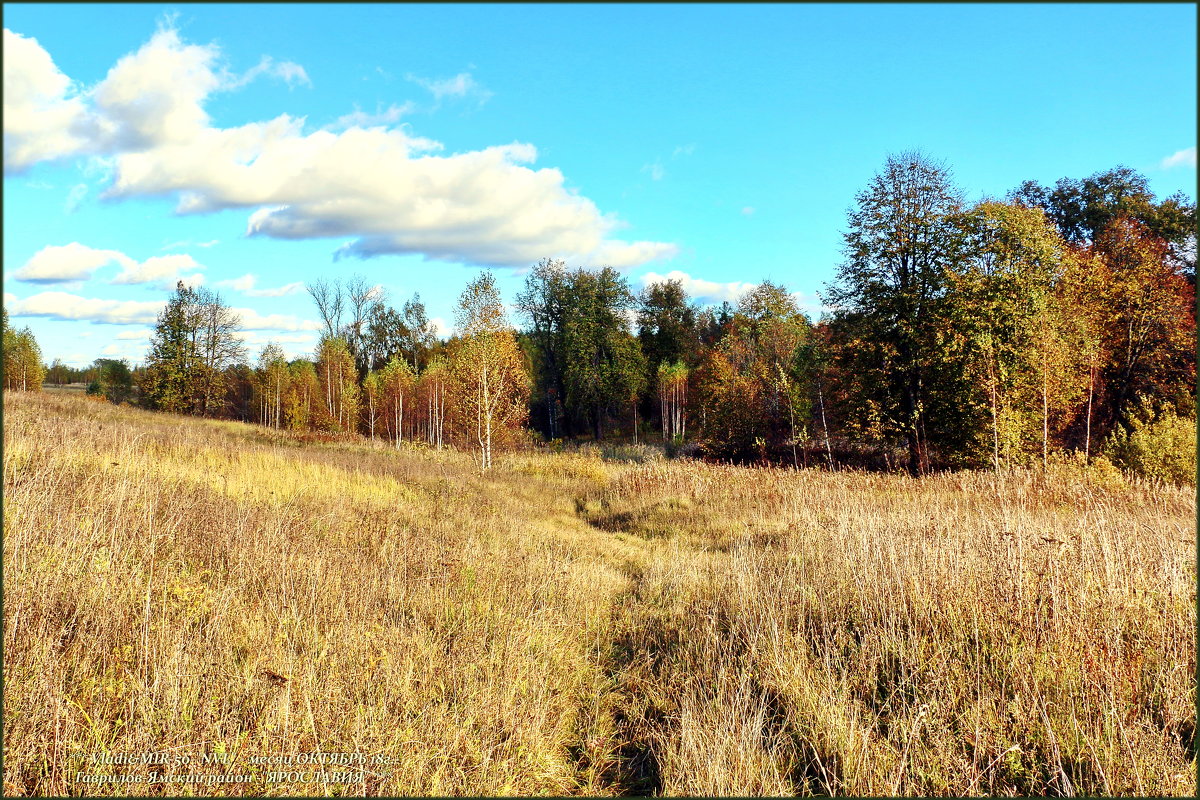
{"x":570,"y":625}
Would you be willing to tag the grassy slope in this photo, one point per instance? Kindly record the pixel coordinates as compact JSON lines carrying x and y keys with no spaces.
{"x":567,"y":625}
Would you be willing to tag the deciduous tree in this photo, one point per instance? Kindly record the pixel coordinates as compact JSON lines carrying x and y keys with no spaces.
{"x":193,"y":343}
{"x":491,"y":387}
{"x":892,"y":285}
{"x":1003,"y":306}
{"x":114,"y":381}
{"x":337,"y":377}
{"x":272,"y":385}
{"x":397,"y":384}
{"x":23,"y":369}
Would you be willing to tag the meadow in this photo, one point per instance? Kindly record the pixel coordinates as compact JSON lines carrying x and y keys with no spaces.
{"x":571,"y":623}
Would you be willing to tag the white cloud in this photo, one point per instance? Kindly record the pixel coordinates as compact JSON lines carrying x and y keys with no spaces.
{"x":811,"y":304}
{"x":291,"y":73}
{"x":361,"y":119}
{"x":189,"y":243}
{"x":254,"y":337}
{"x":461,"y":85}
{"x":380,"y":187}
{"x":1182,"y":158}
{"x":246,"y":283}
{"x":294,"y":345}
{"x":154,"y":96}
{"x":67,"y":263}
{"x":279,"y":291}
{"x":144,"y":334}
{"x":287,"y":71}
{"x":41,"y":109}
{"x":700,"y":289}
{"x":163,"y":271}
{"x":251,"y":320}
{"x":683,"y":150}
{"x":76,"y":262}
{"x":61,"y":305}
{"x":243,"y":283}
{"x":440,"y":327}
{"x":131,"y":352}
{"x":656,"y":171}
{"x":75,"y":197}
{"x":748,"y":210}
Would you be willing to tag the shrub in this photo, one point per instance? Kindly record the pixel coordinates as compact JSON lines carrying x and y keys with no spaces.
{"x":1160,"y":446}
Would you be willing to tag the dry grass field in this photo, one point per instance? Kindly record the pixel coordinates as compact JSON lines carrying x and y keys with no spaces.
{"x":227,"y":596}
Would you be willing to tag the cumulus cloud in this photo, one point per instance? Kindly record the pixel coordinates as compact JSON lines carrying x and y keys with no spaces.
{"x":62,"y":305}
{"x":1181,"y":158}
{"x":66,"y":263}
{"x":143,"y":334}
{"x":66,"y":306}
{"x":76,"y":262}
{"x":700,"y":289}
{"x":246,"y":283}
{"x":42,"y":109}
{"x":382,"y":187}
{"x":153,"y":97}
{"x":163,"y":271}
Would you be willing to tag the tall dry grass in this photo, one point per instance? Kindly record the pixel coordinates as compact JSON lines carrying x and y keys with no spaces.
{"x":570,"y":625}
{"x":877,"y":635}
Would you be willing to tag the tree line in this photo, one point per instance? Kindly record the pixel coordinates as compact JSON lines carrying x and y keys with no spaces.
{"x":957,"y":335}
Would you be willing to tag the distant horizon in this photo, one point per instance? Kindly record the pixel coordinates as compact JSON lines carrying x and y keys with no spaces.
{"x":417,"y":145}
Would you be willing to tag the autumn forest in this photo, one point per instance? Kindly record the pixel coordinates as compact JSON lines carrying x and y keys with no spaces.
{"x":1060,"y":319}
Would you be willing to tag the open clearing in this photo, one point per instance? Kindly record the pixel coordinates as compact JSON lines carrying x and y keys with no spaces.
{"x":569,"y":625}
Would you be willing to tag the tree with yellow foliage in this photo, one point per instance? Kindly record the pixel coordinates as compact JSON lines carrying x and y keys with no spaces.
{"x":490,"y":385}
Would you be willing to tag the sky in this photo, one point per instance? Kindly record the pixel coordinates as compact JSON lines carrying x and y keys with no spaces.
{"x":254,"y":148}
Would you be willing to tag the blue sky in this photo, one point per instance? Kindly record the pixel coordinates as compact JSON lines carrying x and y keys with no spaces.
{"x":255,"y":148}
